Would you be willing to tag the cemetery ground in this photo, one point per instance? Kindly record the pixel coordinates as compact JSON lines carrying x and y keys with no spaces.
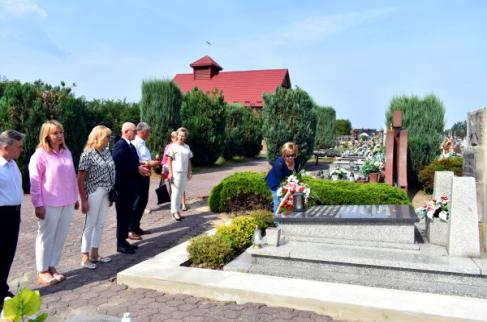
{"x":93,"y":295}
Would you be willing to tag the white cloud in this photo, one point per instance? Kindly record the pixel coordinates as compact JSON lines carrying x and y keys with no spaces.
{"x":20,"y":8}
{"x":318,"y":28}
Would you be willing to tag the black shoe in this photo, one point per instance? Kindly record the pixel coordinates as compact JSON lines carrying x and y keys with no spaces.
{"x":133,"y":246}
{"x":125,"y":250}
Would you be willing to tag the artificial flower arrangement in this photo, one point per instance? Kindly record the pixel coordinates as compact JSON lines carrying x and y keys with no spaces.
{"x":340,"y":173}
{"x":374,"y":163}
{"x":285,"y":192}
{"x":435,"y":208}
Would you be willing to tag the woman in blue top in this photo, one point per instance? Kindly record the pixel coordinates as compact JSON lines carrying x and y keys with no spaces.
{"x":283,"y":167}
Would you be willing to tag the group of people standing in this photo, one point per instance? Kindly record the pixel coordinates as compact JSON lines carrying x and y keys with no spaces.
{"x":57,"y":190}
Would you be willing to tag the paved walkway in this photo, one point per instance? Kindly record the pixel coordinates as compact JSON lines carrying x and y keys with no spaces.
{"x":97,"y":292}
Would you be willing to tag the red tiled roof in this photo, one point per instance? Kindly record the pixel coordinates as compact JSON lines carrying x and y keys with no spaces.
{"x":205,"y":61}
{"x":245,"y":87}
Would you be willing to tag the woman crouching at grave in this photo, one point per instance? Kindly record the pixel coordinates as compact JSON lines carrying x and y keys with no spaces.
{"x":96,"y":176}
{"x":283,"y":167}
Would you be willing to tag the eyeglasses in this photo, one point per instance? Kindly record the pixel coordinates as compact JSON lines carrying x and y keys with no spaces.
{"x":291,"y":156}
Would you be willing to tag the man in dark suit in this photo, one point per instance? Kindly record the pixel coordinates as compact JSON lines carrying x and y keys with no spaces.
{"x":128,"y":172}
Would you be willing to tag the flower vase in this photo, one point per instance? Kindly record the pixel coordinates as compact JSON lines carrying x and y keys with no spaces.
{"x":334,"y":177}
{"x":373,"y":177}
{"x":437,"y":231}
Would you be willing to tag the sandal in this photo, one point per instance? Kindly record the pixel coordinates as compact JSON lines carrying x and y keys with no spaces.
{"x":100,"y":259}
{"x":45,"y":280}
{"x":176,"y":217}
{"x":88,"y":265}
{"x":59,"y":277}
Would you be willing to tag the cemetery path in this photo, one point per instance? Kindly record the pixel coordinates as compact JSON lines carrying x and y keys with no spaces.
{"x":93,"y":295}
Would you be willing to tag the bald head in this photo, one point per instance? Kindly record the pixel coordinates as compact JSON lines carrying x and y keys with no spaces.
{"x":128,"y":130}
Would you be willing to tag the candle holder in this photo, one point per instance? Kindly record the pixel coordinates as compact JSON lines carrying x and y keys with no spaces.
{"x":298,"y":202}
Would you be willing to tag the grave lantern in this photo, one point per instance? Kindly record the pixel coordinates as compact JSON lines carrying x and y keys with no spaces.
{"x":298,"y":202}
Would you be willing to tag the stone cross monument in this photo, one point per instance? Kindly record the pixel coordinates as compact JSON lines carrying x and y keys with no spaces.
{"x":475,"y":163}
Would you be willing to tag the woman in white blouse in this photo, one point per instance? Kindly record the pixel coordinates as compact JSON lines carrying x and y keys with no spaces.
{"x":179,"y":165}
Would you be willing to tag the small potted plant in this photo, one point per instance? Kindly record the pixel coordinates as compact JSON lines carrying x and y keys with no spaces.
{"x":373,"y":166}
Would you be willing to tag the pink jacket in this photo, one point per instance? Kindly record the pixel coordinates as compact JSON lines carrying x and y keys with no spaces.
{"x":52,"y":178}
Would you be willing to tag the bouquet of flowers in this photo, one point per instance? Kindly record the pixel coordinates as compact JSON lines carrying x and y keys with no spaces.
{"x":285,"y":192}
{"x":340,"y":173}
{"x":374,"y":163}
{"x":435,"y":208}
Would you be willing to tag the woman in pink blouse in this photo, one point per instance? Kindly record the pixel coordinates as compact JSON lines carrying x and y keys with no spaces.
{"x":54,"y":194}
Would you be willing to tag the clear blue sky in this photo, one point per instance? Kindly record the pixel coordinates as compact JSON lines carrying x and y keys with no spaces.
{"x":352,"y":55}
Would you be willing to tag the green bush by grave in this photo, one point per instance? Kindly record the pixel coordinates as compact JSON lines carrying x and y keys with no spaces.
{"x":243,"y":132}
{"x":427,"y":174}
{"x":160,"y":107}
{"x":325,"y":127}
{"x":343,"y":127}
{"x":112,"y":114}
{"x":242,"y":191}
{"x":209,"y":251}
{"x":239,"y":233}
{"x":204,"y":116}
{"x":263,"y":218}
{"x":289,"y":115}
{"x":326,"y":192}
{"x":424,"y":118}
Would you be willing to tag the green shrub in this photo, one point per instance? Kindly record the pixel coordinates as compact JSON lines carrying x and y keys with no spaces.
{"x":289,"y":115}
{"x":204,"y":116}
{"x":243,"y":132}
{"x":263,"y":218}
{"x":239,"y":233}
{"x":325,"y":128}
{"x":326,"y":192}
{"x":112,"y":114}
{"x":209,"y":251}
{"x":25,"y":107}
{"x":160,"y":107}
{"x":427,"y":174}
{"x":242,"y":191}
{"x":424,"y":118}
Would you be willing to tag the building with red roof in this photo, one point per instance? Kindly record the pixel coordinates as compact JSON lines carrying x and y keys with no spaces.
{"x":246,"y":87}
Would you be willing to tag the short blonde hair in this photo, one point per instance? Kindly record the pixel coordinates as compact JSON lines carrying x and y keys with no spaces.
{"x":289,"y":147}
{"x":96,"y":136}
{"x":46,"y":129}
{"x":182,"y":129}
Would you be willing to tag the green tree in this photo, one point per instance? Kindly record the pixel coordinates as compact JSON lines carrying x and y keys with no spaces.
{"x":325,"y":127}
{"x":204,"y":117}
{"x":243,"y":132}
{"x":343,"y":127}
{"x":112,"y":114}
{"x":289,"y":115}
{"x":458,"y":129}
{"x":424,"y":118}
{"x":160,"y":107}
{"x":24,"y":107}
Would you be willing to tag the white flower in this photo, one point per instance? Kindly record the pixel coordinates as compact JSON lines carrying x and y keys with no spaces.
{"x":443,"y":215}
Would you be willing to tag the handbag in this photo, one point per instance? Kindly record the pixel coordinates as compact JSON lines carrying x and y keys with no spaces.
{"x":112,"y":195}
{"x":162,"y":193}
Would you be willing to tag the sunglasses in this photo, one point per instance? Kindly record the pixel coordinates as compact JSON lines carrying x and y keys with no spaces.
{"x":291,"y":156}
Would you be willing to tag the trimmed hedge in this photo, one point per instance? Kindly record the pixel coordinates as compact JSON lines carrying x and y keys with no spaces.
{"x":326,"y":192}
{"x":239,"y":233}
{"x":248,"y":189}
{"x":209,"y":251}
{"x":427,"y":174}
{"x":263,"y":218}
{"x":242,"y":191}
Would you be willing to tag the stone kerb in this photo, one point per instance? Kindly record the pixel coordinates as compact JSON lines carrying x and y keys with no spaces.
{"x":463,"y":230}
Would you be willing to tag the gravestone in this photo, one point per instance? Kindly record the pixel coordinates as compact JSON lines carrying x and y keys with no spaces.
{"x":442,"y":184}
{"x":475,"y":162}
{"x":396,"y":153}
{"x":463,"y":231}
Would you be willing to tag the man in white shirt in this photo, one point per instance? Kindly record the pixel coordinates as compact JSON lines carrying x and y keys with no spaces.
{"x":11,"y":196}
{"x":143,"y":133}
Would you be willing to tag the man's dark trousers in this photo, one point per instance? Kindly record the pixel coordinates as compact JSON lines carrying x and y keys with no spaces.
{"x":8,"y":243}
{"x":140,"y":203}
